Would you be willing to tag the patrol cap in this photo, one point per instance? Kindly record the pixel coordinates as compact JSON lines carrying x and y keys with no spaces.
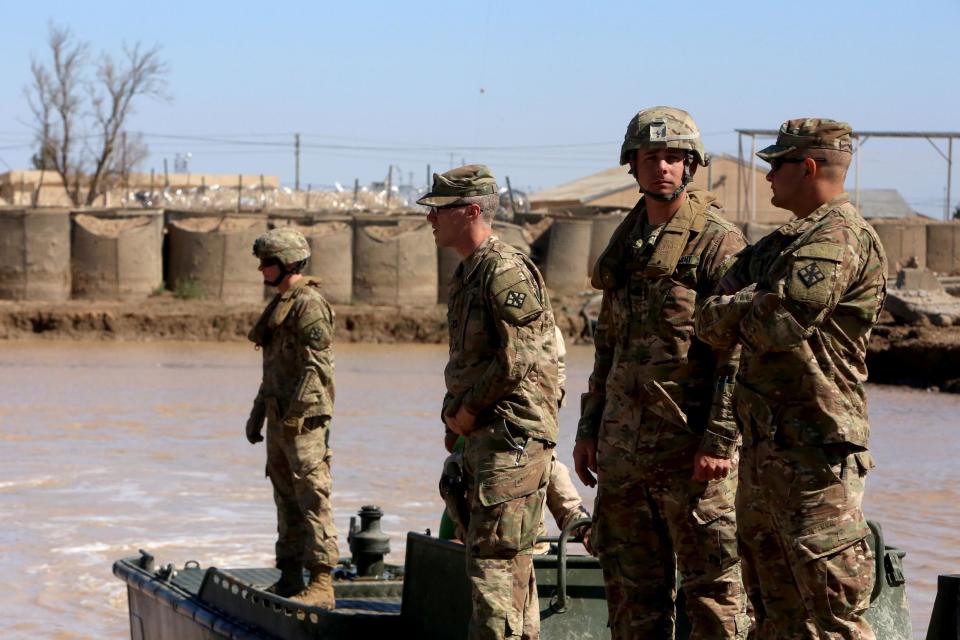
{"x":463,"y":182}
{"x":801,"y":134}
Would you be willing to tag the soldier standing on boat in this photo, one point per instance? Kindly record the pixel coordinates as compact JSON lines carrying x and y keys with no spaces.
{"x":501,"y":382}
{"x":802,"y":302}
{"x":655,"y":427}
{"x":296,"y":398}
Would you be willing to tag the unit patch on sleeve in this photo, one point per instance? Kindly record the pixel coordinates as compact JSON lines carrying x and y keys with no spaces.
{"x":811,"y":274}
{"x":515,"y":299}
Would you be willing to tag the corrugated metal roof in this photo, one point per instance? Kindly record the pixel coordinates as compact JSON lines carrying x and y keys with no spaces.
{"x":883,"y":203}
{"x":583,"y":189}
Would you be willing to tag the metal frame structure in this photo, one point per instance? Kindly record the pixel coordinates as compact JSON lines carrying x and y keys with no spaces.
{"x":747,"y":188}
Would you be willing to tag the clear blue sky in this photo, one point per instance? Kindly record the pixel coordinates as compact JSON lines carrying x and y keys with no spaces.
{"x":540,"y":91}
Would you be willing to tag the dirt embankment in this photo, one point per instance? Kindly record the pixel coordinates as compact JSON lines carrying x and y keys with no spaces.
{"x":919,"y":356}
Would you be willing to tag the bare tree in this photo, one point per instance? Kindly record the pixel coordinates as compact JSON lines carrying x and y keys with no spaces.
{"x":79,"y":119}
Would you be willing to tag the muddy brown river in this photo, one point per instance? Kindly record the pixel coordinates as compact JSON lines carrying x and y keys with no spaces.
{"x":111,"y":448}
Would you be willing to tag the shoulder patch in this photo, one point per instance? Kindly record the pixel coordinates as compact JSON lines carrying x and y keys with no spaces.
{"x":813,"y":273}
{"x":514,"y":295}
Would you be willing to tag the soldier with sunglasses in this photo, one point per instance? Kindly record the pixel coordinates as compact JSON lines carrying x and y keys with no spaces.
{"x":802,"y":303}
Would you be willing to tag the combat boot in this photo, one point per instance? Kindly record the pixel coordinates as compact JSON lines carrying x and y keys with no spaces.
{"x":291,"y":579}
{"x":319,"y":592}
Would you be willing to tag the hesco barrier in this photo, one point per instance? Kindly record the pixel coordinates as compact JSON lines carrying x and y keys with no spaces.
{"x":118,"y":256}
{"x":213,"y":257}
{"x":568,"y":254}
{"x":394,"y":261}
{"x":755,"y":231}
{"x":35,"y":254}
{"x":602,"y":230}
{"x":943,"y":247}
{"x":331,"y":256}
{"x":512,"y":234}
{"x":902,"y":242}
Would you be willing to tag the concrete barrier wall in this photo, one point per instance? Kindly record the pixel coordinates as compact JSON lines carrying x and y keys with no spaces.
{"x":903,"y":242}
{"x":394,"y":261}
{"x":600,"y":234}
{"x":568,"y":255}
{"x":117,"y":256}
{"x":35,"y":254}
{"x":943,"y":248}
{"x":447,"y":262}
{"x":331,"y":256}
{"x":216,"y":255}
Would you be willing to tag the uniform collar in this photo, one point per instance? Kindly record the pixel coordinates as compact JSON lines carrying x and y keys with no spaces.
{"x":470,"y":264}
{"x":801,"y":225}
{"x":295,"y":287}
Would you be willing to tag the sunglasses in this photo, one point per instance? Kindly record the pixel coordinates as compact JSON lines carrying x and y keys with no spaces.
{"x":776,"y":163}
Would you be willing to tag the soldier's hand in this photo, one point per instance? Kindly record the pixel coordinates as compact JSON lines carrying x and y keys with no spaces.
{"x":707,"y":467}
{"x":449,"y":440}
{"x":465,"y":421}
{"x":585,"y":460}
{"x":254,"y":430}
{"x":255,"y":423}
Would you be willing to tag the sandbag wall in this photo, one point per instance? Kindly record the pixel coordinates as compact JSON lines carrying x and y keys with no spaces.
{"x":566,"y":265}
{"x":602,"y":230}
{"x":903,"y":242}
{"x":215,"y":255}
{"x":394,"y":261}
{"x":35,"y":254}
{"x":331,"y":256}
{"x":117,"y":256}
{"x":943,"y":247}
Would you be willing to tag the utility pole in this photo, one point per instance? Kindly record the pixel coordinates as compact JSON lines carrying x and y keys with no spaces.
{"x":296,"y":154}
{"x":389,"y":183}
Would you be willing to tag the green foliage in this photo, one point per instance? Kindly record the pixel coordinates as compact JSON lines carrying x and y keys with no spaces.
{"x":159,"y":290}
{"x":956,"y":212}
{"x":188,"y":289}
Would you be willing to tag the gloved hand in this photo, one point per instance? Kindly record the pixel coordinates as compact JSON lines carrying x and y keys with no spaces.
{"x":255,"y":423}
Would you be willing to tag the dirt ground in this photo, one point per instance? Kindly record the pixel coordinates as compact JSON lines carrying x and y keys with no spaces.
{"x":918,"y":356}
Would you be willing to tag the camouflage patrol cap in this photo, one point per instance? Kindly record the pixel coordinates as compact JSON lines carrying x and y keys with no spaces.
{"x":801,"y":134}
{"x":285,"y":244}
{"x":463,"y":182}
{"x":663,"y":128}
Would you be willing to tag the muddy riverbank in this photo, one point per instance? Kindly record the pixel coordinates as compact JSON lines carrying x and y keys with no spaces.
{"x":917,"y":356}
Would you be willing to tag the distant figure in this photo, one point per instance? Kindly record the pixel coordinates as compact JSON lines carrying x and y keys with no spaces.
{"x":501,"y":395}
{"x":802,"y":302}
{"x":656,"y":427}
{"x":296,"y":397}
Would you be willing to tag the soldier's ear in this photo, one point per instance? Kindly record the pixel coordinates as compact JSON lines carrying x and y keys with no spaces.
{"x":473,"y":210}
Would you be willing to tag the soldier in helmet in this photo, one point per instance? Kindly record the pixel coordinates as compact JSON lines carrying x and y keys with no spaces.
{"x":802,"y":302}
{"x":502,"y":394}
{"x":656,"y":431}
{"x":296,"y":398}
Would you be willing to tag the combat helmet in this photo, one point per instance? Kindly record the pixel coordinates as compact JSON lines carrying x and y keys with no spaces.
{"x":286,"y":244}
{"x":665,"y":128}
{"x":285,"y":248}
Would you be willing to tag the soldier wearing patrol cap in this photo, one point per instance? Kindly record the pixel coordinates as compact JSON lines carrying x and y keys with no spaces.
{"x":296,"y":398}
{"x":502,"y":394}
{"x":655,"y":428}
{"x":802,"y":302}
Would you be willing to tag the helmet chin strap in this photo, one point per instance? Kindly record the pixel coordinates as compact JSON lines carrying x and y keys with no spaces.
{"x":687,"y":177}
{"x":283,"y":273}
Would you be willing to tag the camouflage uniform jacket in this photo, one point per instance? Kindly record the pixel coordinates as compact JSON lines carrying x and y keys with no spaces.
{"x":295,"y":331}
{"x":645,"y":343}
{"x":503,"y":359}
{"x":804,"y":326}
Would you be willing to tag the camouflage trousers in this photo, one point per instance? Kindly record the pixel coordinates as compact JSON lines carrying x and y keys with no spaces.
{"x":808,"y":568}
{"x":650,"y":522}
{"x":298,"y":466}
{"x":507,"y":476}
